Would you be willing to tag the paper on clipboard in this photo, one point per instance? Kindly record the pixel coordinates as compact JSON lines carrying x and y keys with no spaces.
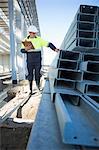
{"x":28,"y":43}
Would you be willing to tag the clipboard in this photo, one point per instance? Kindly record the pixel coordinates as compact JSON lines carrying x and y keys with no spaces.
{"x":28,"y":43}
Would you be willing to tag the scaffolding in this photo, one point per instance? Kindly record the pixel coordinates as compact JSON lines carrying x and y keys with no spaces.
{"x":15,"y":17}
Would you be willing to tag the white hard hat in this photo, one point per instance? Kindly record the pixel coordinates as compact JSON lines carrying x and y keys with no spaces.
{"x":32,"y":28}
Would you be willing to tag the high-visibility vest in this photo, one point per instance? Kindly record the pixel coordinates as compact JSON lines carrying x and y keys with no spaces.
{"x":37,"y":42}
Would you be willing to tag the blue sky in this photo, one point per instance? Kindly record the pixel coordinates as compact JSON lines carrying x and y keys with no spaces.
{"x":55,"y":17}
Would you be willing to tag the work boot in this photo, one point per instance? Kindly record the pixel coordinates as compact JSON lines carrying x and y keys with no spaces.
{"x":30,"y":85}
{"x":30,"y":93}
{"x":40,"y":88}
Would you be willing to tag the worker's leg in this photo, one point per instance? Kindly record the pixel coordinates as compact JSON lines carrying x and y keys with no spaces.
{"x":37,"y":74}
{"x":30,"y":85}
{"x":30,"y":68}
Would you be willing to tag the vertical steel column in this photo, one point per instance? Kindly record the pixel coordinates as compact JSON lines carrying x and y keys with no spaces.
{"x":23,"y":35}
{"x":12,"y":42}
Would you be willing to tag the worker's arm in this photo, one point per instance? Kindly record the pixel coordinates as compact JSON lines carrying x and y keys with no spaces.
{"x":26,"y":49}
{"x":53,"y":47}
{"x":23,"y":50}
{"x":48,"y":44}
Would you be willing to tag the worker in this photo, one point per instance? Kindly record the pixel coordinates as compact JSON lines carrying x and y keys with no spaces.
{"x":34,"y":54}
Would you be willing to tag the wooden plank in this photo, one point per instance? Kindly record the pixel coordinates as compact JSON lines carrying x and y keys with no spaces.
{"x":10,"y":107}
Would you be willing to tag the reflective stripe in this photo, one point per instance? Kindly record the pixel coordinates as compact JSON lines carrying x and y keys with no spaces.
{"x":34,"y":50}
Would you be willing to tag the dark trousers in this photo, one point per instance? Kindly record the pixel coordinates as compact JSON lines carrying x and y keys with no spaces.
{"x":35,"y":64}
{"x":37,"y":68}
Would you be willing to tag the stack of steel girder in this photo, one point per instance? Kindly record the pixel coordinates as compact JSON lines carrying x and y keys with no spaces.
{"x":89,"y":85}
{"x":74,"y":84}
{"x":84,"y":30}
{"x":64,"y":78}
{"x":74,"y":88}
